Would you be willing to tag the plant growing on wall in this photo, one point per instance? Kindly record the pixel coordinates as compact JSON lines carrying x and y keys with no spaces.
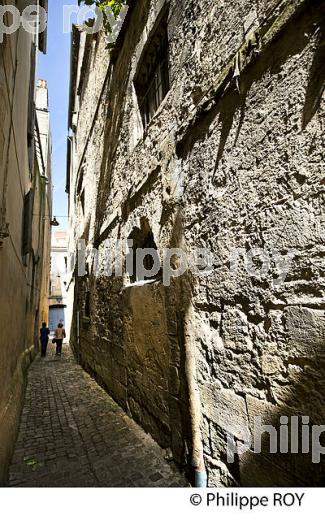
{"x":115,"y":7}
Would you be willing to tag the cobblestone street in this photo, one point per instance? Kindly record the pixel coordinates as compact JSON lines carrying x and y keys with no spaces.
{"x":73,"y":434}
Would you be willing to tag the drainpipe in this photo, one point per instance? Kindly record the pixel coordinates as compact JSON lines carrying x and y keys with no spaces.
{"x":76,"y":302}
{"x":78,"y":334}
{"x":194,"y":402}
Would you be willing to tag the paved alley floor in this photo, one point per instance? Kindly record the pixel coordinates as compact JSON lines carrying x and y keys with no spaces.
{"x":72,"y":434}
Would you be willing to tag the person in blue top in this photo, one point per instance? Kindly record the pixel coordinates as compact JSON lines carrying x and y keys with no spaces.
{"x":44,"y":337}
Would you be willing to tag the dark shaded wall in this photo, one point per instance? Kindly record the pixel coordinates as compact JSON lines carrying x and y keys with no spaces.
{"x":23,"y":272}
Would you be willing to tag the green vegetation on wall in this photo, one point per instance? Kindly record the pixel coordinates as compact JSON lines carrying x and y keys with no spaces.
{"x":115,"y":5}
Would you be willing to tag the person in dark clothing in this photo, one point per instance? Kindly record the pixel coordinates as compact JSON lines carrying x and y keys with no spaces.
{"x":44,"y":337}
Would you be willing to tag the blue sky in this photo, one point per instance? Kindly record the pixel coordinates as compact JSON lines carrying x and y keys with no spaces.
{"x":55,"y":68}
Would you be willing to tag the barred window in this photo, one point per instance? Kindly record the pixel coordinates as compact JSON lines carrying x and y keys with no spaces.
{"x":152,"y":80}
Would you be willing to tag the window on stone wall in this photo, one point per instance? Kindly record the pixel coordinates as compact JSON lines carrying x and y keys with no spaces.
{"x":80,"y":190}
{"x":82,"y":201}
{"x":80,"y":181}
{"x":152,"y":79}
{"x":27,"y":223}
{"x":142,"y":239}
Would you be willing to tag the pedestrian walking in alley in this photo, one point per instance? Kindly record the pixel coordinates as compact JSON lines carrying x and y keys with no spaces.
{"x":44,"y":338}
{"x":59,"y":337}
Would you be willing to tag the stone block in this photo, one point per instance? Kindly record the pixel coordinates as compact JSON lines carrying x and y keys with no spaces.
{"x":225,"y":409}
{"x":305,"y":330}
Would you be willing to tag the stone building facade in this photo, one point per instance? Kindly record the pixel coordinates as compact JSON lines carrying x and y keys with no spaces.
{"x":58,"y":298}
{"x":43,"y":216}
{"x":25,"y":209}
{"x":203,"y":128}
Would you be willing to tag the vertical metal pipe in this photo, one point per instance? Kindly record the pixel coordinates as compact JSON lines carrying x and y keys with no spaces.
{"x":194,"y":402}
{"x":78,"y":333}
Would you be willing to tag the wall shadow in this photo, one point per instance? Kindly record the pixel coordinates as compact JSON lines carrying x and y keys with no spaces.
{"x":116,"y":97}
{"x":178,"y":302}
{"x":306,"y":398}
{"x":291,"y":41}
{"x":316,"y":81}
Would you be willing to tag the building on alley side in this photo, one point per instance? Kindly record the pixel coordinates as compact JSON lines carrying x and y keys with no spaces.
{"x":25,"y":215}
{"x":58,"y":299}
{"x":203,"y":129}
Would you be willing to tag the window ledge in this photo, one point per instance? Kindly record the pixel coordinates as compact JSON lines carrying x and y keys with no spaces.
{"x":141,"y":283}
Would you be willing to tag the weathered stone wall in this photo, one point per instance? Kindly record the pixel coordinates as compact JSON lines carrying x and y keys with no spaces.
{"x":14,"y":290}
{"x":232,"y":159}
{"x":21,"y":309}
{"x":256,"y":182}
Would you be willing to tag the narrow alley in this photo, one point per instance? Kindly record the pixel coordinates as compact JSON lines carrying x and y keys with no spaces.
{"x":72,"y":434}
{"x":162,"y":217}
